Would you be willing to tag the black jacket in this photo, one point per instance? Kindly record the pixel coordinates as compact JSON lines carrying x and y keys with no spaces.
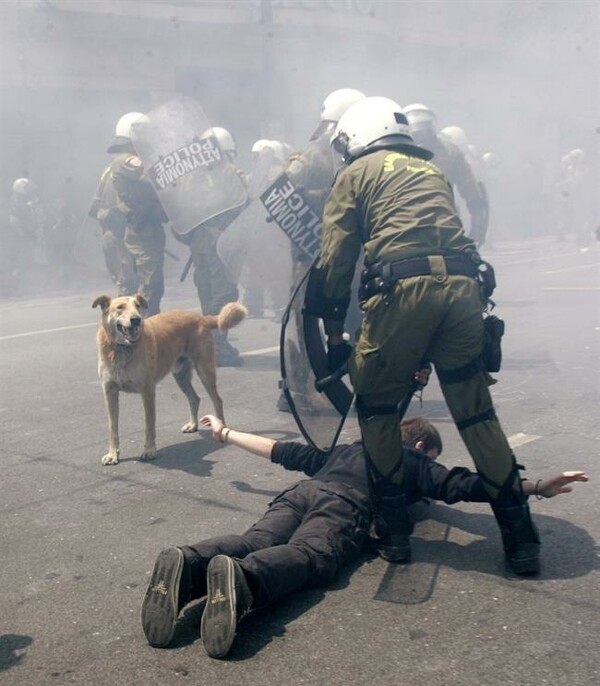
{"x":423,"y":477}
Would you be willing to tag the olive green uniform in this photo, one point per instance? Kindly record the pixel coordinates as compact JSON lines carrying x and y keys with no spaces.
{"x":112,"y":217}
{"x":214,"y":286}
{"x":399,"y":207}
{"x":449,"y":158}
{"x":144,"y":232}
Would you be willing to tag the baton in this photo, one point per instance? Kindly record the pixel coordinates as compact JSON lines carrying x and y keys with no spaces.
{"x":186,"y":269}
{"x":321,"y":384}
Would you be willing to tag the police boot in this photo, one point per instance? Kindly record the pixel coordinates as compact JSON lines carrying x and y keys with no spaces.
{"x":227,"y":354}
{"x":229,"y":599}
{"x":520,"y":536}
{"x":392,"y":525}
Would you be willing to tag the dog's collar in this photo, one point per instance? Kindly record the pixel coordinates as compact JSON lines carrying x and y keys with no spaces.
{"x":113,"y":346}
{"x":112,"y":349}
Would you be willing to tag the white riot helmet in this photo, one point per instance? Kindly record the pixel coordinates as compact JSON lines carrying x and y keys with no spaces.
{"x":123,"y":131}
{"x":21,"y":186}
{"x":334,"y":106}
{"x":274,"y":146}
{"x":490,"y":159}
{"x":260,"y":145}
{"x":456,"y":135}
{"x":374,"y":123}
{"x":420,"y":118}
{"x":225,"y":140}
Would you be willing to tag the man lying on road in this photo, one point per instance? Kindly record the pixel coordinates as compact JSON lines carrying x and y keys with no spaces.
{"x":308,"y":533}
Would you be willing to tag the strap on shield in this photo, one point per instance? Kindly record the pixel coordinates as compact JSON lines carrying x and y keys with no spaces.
{"x":313,"y":346}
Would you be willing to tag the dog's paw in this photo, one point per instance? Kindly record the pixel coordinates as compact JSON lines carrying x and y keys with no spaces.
{"x":190,"y":428}
{"x":148,"y":455}
{"x":110,"y":458}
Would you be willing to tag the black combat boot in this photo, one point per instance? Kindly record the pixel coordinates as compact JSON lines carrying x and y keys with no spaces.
{"x":227,"y":354}
{"x":229,"y":599}
{"x":392,"y":525}
{"x":167,"y":593}
{"x":520,"y":536}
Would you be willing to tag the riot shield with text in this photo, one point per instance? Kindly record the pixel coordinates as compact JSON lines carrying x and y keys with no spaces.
{"x":272,"y":240}
{"x":292,"y":212}
{"x":319,"y":401}
{"x":195,"y":181}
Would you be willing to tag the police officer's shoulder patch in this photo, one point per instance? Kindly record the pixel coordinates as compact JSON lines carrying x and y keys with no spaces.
{"x":133,"y":162}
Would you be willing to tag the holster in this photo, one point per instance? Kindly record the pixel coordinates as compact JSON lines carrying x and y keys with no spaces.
{"x":492,"y":348}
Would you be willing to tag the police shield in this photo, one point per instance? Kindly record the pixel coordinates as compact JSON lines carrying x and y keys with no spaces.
{"x":195,"y":181}
{"x":319,"y":401}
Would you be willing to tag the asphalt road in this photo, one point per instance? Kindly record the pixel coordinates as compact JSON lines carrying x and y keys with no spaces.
{"x":79,"y":540}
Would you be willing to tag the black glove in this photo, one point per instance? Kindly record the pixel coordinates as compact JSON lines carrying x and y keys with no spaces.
{"x":337,"y":355}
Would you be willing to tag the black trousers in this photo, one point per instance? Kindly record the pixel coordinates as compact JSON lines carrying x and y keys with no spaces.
{"x":308,"y":533}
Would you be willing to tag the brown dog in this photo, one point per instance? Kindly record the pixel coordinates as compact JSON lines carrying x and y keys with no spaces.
{"x":135,"y":354}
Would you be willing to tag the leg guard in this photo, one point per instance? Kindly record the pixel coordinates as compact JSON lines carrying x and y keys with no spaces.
{"x":392,"y":524}
{"x":520,"y":536}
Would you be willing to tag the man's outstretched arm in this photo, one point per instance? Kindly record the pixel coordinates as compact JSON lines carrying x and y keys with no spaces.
{"x":553,"y":485}
{"x":293,"y":456}
{"x":258,"y":445}
{"x":461,"y":484}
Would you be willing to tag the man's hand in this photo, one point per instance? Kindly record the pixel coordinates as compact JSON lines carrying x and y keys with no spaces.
{"x":337,"y":354}
{"x":554,"y":485}
{"x":216,"y":425}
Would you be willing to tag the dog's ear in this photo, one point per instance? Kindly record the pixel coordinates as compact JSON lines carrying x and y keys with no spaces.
{"x":141,"y":301}
{"x":103,"y":301}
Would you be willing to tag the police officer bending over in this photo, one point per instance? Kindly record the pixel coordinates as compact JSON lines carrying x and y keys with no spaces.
{"x":422,"y":301}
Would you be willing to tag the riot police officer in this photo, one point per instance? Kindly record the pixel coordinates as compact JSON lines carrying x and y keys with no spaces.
{"x":25,"y":222}
{"x":138,"y":202}
{"x":421,"y":300}
{"x":454,"y":163}
{"x":111,"y":214}
{"x":214,"y":287}
{"x":311,"y":171}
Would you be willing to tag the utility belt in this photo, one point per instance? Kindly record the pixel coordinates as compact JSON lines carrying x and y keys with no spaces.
{"x":381,"y":277}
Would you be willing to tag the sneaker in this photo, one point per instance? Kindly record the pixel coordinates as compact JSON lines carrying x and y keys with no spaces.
{"x":165,"y":596}
{"x":228,"y":600}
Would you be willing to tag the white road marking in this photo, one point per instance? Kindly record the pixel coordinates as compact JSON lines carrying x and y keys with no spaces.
{"x":573,"y":269}
{"x":521,"y":439}
{"x":261,"y":351}
{"x":43,"y":331}
{"x":249,"y":353}
{"x":573,"y":289}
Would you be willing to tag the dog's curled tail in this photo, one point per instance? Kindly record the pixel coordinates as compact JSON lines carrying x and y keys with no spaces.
{"x":230,"y":315}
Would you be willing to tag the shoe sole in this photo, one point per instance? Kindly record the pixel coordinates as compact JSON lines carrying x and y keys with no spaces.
{"x":160,"y":605}
{"x":219,"y":618}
